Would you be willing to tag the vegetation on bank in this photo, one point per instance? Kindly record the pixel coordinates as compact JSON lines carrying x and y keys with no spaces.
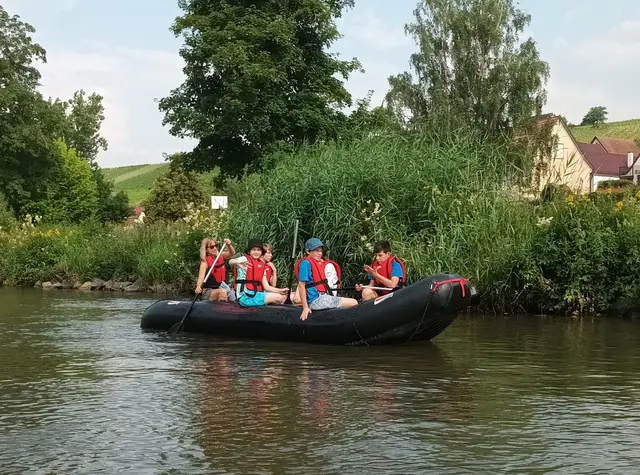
{"x":441,"y":202}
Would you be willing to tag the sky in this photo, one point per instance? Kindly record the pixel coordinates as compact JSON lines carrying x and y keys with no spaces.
{"x":124,"y":51}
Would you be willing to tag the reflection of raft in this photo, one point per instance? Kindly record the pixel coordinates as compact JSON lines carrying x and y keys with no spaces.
{"x":420,"y":311}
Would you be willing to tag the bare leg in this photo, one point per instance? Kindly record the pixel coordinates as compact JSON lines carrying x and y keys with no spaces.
{"x":274,"y":298}
{"x":349,"y":302}
{"x":218,"y":294}
{"x":368,"y":294}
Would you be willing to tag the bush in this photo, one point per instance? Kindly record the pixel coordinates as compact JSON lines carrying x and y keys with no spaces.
{"x":173,"y":192}
{"x":585,"y":257}
{"x":441,"y":201}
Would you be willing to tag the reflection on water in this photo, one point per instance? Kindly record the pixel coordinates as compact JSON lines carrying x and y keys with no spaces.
{"x":83,"y":390}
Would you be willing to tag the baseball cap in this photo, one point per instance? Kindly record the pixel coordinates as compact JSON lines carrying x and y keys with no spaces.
{"x":313,"y":243}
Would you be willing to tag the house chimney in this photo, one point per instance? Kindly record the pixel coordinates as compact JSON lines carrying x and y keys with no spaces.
{"x":629,"y":159}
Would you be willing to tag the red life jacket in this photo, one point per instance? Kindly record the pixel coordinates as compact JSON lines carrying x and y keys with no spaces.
{"x":385,"y":269}
{"x":218,"y":274}
{"x":252,"y":283}
{"x":317,"y":271}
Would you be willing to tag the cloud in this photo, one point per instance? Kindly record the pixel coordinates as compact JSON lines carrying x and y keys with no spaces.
{"x":366,"y":27}
{"x":129,"y":80}
{"x":602,"y":70}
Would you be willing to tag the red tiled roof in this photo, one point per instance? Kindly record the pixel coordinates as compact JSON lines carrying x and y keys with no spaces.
{"x":603,"y":163}
{"x":618,"y":146}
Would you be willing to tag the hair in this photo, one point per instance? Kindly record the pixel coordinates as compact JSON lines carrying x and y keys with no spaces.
{"x":203,"y":247}
{"x":382,"y":246}
{"x":267,"y":247}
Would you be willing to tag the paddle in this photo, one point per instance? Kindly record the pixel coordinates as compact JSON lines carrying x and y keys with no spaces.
{"x":178,"y":326}
{"x":293,"y":258}
{"x":363,"y":287}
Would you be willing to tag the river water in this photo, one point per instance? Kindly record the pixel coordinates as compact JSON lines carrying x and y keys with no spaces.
{"x":84,"y":390}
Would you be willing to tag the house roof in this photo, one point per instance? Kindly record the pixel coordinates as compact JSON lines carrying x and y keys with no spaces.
{"x":618,"y":146}
{"x":603,"y":163}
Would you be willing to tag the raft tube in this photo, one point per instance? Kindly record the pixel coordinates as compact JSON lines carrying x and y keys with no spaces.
{"x":418,"y":312}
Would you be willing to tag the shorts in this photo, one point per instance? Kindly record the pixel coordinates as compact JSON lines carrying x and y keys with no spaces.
{"x":256,"y":301}
{"x":231,"y":296}
{"x":325,"y":301}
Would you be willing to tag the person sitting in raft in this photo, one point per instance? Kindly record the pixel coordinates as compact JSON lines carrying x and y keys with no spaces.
{"x":313,"y":289}
{"x":269,"y":268}
{"x":331,"y":271}
{"x":211,"y":288}
{"x":252,"y":287}
{"x":385,"y":271}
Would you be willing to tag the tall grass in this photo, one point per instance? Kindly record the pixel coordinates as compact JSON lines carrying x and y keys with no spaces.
{"x":441,"y":201}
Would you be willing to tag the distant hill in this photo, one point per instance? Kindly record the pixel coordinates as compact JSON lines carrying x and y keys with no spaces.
{"x":137,"y":180}
{"x":626,"y":129}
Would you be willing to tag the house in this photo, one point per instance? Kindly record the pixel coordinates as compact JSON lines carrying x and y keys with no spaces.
{"x":581,"y":166}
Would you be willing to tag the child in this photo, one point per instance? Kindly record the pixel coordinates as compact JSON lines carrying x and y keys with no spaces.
{"x":313,"y":288}
{"x":251,"y":282}
{"x":331,"y":271}
{"x":385,"y":271}
{"x":208,"y":253}
{"x":270,"y":269}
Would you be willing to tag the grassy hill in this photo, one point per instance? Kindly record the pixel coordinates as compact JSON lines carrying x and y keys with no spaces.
{"x":137,"y":180}
{"x":626,"y":129}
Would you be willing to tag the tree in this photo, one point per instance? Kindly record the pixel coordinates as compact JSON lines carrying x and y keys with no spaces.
{"x":596,"y":116}
{"x":28,"y":157}
{"x":173,"y":191}
{"x":256,"y":75}
{"x":85,"y":116}
{"x":472,"y":68}
{"x":74,"y":196}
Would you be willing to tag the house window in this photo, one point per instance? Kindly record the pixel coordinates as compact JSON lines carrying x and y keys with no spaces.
{"x":559,"y":150}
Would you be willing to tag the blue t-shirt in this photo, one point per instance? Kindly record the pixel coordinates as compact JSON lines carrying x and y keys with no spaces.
{"x":306,"y":275}
{"x":396,"y":270}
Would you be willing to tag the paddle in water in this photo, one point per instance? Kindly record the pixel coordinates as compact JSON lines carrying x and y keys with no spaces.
{"x":178,"y":326}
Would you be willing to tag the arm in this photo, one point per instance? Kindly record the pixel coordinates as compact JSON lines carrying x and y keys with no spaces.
{"x":390,"y":283}
{"x":270,"y":288}
{"x":229,"y":250}
{"x":201,"y":274}
{"x":274,"y":275}
{"x":302,"y":293}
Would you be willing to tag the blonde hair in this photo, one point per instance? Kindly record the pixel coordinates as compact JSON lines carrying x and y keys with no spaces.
{"x":203,"y":247}
{"x":267,"y":247}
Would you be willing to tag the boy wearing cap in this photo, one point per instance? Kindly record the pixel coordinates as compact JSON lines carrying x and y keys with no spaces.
{"x":252,"y":287}
{"x":313,"y":288}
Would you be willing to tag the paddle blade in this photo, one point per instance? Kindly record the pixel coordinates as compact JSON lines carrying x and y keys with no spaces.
{"x":175,"y":328}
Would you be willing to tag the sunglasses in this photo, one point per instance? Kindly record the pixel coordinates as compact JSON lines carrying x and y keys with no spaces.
{"x":211,"y":246}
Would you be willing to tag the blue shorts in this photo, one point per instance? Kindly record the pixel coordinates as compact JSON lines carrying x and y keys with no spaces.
{"x":256,"y":301}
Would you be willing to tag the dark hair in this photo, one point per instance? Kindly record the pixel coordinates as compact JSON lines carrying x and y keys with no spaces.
{"x":382,"y":246}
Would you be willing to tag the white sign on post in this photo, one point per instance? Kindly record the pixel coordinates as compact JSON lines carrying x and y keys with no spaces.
{"x":219,"y":202}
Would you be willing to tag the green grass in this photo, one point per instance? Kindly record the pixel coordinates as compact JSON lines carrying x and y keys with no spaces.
{"x":626,"y":129}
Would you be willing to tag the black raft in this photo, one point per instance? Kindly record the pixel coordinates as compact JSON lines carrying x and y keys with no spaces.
{"x":418,"y":312}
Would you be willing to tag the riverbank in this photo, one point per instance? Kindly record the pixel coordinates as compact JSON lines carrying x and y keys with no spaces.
{"x":442,"y":202}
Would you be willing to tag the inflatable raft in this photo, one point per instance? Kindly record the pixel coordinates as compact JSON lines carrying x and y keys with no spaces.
{"x":418,"y":312}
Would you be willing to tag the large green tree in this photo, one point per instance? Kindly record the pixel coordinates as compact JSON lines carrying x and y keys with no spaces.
{"x":257,"y":74}
{"x":28,"y":124}
{"x":472,"y":68}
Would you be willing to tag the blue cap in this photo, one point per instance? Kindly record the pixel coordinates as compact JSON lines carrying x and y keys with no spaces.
{"x":313,"y":243}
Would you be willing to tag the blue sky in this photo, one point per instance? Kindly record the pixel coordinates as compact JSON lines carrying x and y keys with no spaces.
{"x":125,"y":51}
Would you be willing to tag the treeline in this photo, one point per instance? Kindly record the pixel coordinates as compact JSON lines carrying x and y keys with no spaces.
{"x":48,"y":147}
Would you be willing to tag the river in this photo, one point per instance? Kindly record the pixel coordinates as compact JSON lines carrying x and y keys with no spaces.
{"x":84,"y":390}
